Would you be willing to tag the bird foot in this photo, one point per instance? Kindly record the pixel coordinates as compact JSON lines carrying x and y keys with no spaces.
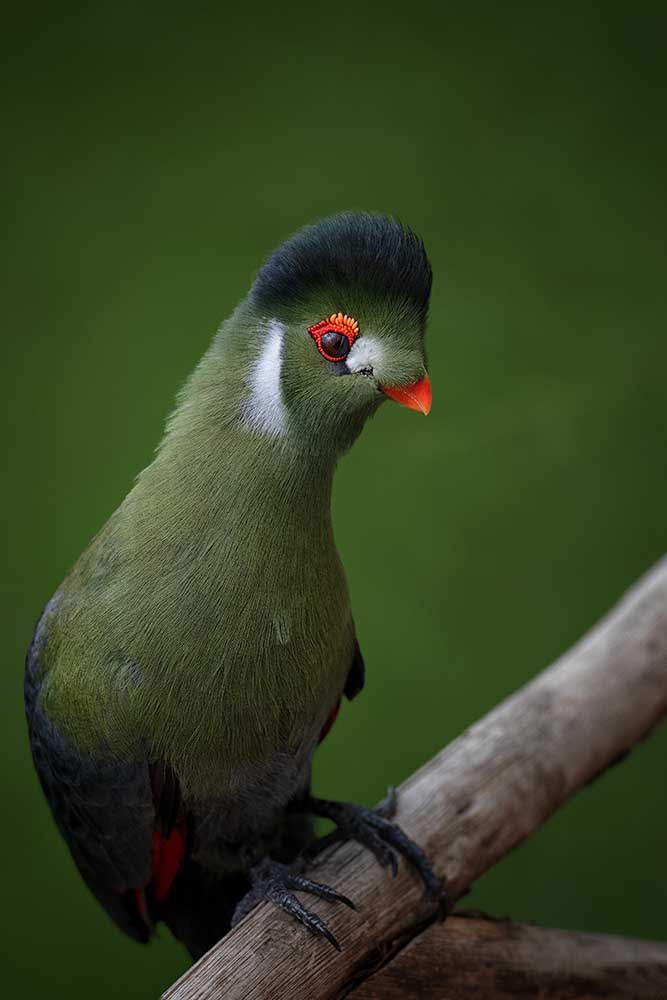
{"x":276,"y":882}
{"x":373,"y":828}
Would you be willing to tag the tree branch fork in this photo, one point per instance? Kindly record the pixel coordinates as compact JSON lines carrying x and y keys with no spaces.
{"x":468,"y":807}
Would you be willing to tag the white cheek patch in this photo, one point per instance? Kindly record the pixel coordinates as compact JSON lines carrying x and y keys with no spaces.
{"x":366,"y":352}
{"x":265,"y":410}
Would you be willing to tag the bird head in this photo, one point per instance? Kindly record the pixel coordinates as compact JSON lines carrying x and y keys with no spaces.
{"x":339,"y":312}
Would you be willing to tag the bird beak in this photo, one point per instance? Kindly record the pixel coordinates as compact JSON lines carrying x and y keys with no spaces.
{"x":416,"y":396}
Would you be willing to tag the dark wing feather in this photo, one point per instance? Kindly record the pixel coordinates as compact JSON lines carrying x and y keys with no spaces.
{"x":167,"y":798}
{"x":357,"y":674}
{"x":103,"y":808}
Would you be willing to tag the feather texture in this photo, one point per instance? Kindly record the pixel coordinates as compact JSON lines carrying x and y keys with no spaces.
{"x":178,"y":683}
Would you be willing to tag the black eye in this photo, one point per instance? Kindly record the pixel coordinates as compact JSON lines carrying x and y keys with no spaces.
{"x":336,"y":345}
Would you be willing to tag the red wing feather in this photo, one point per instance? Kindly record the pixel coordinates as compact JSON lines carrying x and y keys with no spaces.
{"x":168,"y":854}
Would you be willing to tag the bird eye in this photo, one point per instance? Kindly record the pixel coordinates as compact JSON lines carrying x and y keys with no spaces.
{"x":335,"y":345}
{"x":334,"y":336}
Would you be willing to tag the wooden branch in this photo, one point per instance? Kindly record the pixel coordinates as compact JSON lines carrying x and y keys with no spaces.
{"x":475,"y":801}
{"x":499,"y":960}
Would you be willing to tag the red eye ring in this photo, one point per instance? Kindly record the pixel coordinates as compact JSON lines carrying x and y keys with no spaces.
{"x":336,"y":323}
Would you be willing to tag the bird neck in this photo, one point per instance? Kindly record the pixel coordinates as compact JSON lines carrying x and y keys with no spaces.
{"x":219,"y":470}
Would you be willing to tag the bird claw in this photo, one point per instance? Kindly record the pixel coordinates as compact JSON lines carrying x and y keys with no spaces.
{"x":373,"y":828}
{"x":277,"y":883}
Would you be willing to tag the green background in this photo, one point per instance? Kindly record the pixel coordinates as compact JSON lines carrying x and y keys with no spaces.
{"x":156,"y":155}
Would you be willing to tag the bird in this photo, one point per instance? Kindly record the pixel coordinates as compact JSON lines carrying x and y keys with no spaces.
{"x":181,"y":678}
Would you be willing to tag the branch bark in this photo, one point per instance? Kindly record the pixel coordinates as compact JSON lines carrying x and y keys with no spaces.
{"x":499,"y":960}
{"x":468,"y":807}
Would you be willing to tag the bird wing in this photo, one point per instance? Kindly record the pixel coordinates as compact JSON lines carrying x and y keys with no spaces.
{"x":116,"y":815}
{"x":357,"y":674}
{"x":353,"y":685}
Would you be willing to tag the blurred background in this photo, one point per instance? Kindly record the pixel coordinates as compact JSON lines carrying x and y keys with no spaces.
{"x":155,"y":154}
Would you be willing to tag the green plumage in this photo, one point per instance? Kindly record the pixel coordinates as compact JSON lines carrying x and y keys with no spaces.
{"x":206,"y":633}
{"x":209,"y":620}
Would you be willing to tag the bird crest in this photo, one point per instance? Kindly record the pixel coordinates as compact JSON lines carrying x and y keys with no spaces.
{"x":341,"y":323}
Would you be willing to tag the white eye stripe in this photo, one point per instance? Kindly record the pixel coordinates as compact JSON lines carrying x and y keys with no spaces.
{"x":366,"y":352}
{"x":265,"y":410}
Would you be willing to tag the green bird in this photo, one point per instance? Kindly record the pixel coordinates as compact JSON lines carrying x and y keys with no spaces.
{"x":180,"y":679}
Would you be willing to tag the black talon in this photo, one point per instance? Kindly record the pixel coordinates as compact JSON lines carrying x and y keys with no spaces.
{"x":290,"y":904}
{"x":413,"y":852}
{"x":373,"y":828}
{"x":273,"y":881}
{"x":318,"y":889}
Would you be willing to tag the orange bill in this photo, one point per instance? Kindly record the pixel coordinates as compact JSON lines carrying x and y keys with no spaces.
{"x":416,"y":396}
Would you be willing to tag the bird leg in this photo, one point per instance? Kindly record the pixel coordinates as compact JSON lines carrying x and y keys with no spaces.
{"x":373,"y":828}
{"x":270,"y":880}
{"x":276,"y":882}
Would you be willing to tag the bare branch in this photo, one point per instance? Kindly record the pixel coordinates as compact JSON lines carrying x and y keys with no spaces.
{"x":468,"y":807}
{"x":499,"y":960}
